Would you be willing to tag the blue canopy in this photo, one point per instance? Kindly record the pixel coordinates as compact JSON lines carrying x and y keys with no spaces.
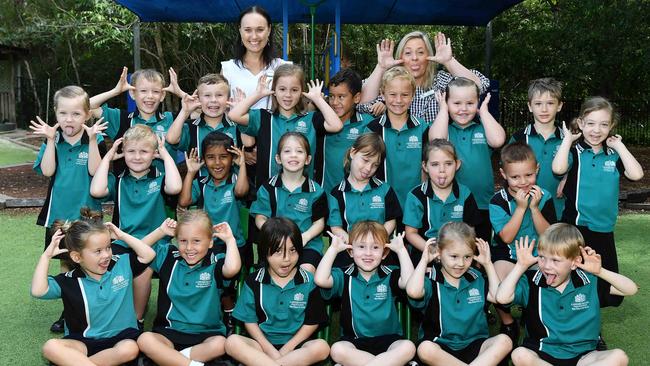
{"x":443,"y":12}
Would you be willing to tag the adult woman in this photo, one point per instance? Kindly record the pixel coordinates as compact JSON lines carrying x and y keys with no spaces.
{"x":415,"y":52}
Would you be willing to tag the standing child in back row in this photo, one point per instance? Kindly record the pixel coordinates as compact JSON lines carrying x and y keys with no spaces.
{"x":593,"y":167}
{"x":544,"y":135}
{"x":475,"y":134}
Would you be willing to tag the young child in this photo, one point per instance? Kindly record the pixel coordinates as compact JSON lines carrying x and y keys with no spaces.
{"x":280,"y":305}
{"x":139,"y":193}
{"x":370,"y":326}
{"x":291,"y":194}
{"x":70,"y":158}
{"x":474,"y":133}
{"x":562,"y":300}
{"x":544,"y":135}
{"x":344,"y":94}
{"x":188,"y":329}
{"x":454,"y":297}
{"x":593,"y":168}
{"x":219,"y":194}
{"x":403,"y":134}
{"x":100,"y":325}
{"x":519,"y":209}
{"x":288,"y":114}
{"x":439,"y":199}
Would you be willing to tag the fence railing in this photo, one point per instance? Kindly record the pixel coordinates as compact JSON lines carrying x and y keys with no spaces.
{"x":7,"y":107}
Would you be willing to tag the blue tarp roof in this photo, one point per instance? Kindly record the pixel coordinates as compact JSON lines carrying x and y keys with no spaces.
{"x":443,"y":12}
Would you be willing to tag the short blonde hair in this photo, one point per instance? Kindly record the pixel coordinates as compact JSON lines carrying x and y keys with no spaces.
{"x":149,"y":74}
{"x":141,"y":133}
{"x":561,"y":239}
{"x":397,"y":72}
{"x":456,"y":231}
{"x":198,"y":217}
{"x":71,"y":92}
{"x":430,"y":72}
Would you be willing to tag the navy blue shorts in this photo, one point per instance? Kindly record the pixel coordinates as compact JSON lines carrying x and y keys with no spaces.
{"x":374,"y":345}
{"x":96,"y":345}
{"x":182,"y":340}
{"x":467,"y":354}
{"x":555,"y":361}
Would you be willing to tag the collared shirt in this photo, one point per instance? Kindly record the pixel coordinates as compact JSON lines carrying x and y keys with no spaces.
{"x":69,"y":187}
{"x":453,"y":316}
{"x":98,"y":309}
{"x":503,"y":205}
{"x":189,"y":297}
{"x":402,"y":166}
{"x":377,"y":201}
{"x":280,"y":311}
{"x":304,"y":206}
{"x":367,"y":307}
{"x":592,"y":186}
{"x":427,"y":213}
{"x":545,"y":150}
{"x":220,"y":203}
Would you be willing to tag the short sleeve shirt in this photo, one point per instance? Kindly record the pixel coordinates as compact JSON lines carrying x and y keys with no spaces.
{"x":220,"y":203}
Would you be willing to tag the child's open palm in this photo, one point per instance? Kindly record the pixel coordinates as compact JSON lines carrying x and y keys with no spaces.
{"x":222,"y":231}
{"x":315,"y":90}
{"x":116,"y":232}
{"x":168,"y":227}
{"x":524,"y":250}
{"x":43,"y":129}
{"x":192,"y":161}
{"x":191,"y":102}
{"x":430,"y":252}
{"x":123,"y":84}
{"x":112,"y":153}
{"x":591,"y":261}
{"x":96,"y":128}
{"x":485,"y":105}
{"x":397,"y":243}
{"x":263,"y":89}
{"x":240,"y":157}
{"x":337,"y":243}
{"x":484,"y":256}
{"x":568,"y":135}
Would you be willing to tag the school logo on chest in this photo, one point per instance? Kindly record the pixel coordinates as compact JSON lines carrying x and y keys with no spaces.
{"x":478,"y":138}
{"x":474,"y":296}
{"x":381,"y":292}
{"x":302,"y":205}
{"x":205,"y":280}
{"x":160,"y":131}
{"x":580,"y":302}
{"x":301,"y":126}
{"x":227,"y":198}
{"x":298,"y":301}
{"x":609,"y":166}
{"x":377,"y":202}
{"x":119,"y":282}
{"x":153,"y":187}
{"x":457,"y":212}
{"x":414,"y":143}
{"x":82,"y":158}
{"x":353,"y":133}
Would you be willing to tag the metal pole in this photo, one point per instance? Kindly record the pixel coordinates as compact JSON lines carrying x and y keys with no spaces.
{"x":312,"y":11}
{"x":136,"y":46}
{"x":488,"y":50}
{"x":337,"y":37}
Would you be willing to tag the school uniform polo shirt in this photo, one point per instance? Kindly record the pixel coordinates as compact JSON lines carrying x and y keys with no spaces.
{"x":591,"y":188}
{"x":503,"y":205}
{"x":69,"y":187}
{"x":220,"y":203}
{"x":269,"y":127}
{"x":189,"y":299}
{"x":453,"y":316}
{"x":476,"y":170}
{"x":280,"y":311}
{"x":332,"y":147}
{"x":139,"y":202}
{"x":304,"y":206}
{"x":427,"y":213}
{"x":97,"y":309}
{"x":564,"y":325}
{"x":402,"y":166}
{"x":545,"y":151}
{"x":377,"y":201}
{"x":367,"y":307}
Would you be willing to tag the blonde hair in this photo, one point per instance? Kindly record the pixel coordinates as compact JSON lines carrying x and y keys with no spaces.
{"x":212,"y":79}
{"x":561,"y":239}
{"x":456,"y":231}
{"x":362,"y":228}
{"x":369,"y":144}
{"x":141,"y":133}
{"x":397,"y":72}
{"x":198,"y":217}
{"x":149,"y":74}
{"x":71,"y":92}
{"x":430,"y":72}
{"x":593,"y":104}
{"x":285,"y":70}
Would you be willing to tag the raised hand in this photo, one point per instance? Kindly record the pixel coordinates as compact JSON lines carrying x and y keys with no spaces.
{"x":568,"y":135}
{"x":337,"y":243}
{"x":385,"y":58}
{"x":222,"y":231}
{"x":96,"y":128}
{"x":591,"y":261}
{"x":240,"y":157}
{"x":443,"y":50}
{"x":112,"y":153}
{"x":237,"y":96}
{"x":378,"y":109}
{"x":43,"y":129}
{"x":168,"y":227}
{"x":315,"y":88}
{"x":116,"y":232}
{"x":263,"y":89}
{"x":162,"y":152}
{"x":123,"y":84}
{"x":535,"y":195}
{"x":525,"y":252}
{"x":397,"y":243}
{"x":430,"y":252}
{"x":483,"y":256}
{"x":190,"y":102}
{"x":615,"y":142}
{"x":484,"y":106}
{"x":53,"y":249}
{"x":173,"y":86}
{"x":441,"y":98}
{"x":192,"y":161}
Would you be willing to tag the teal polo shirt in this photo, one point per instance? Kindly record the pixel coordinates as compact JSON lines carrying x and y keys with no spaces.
{"x":367,"y":307}
{"x":189,"y":297}
{"x":427,"y":212}
{"x":332,"y":147}
{"x":453,"y":316}
{"x":476,"y":170}
{"x":97,"y":309}
{"x":280,"y":311}
{"x":545,"y":150}
{"x":69,"y":187}
{"x":591,"y":189}
{"x":403,"y":164}
{"x":269,"y":127}
{"x":503,"y":205}
{"x":220,"y":203}
{"x":564,"y":325}
{"x":139,"y":203}
{"x":304,"y":206}
{"x":377,"y":201}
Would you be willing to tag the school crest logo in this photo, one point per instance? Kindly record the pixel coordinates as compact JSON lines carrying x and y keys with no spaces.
{"x":474,"y":296}
{"x":353,"y":133}
{"x":301,"y":126}
{"x":298,"y":297}
{"x":457,"y":212}
{"x":580,"y":302}
{"x":160,"y":128}
{"x":298,"y":301}
{"x":82,"y":158}
{"x":414,"y":143}
{"x":609,"y":166}
{"x":478,"y":138}
{"x":302,"y":205}
{"x":205,"y":279}
{"x":381,"y":292}
{"x":153,"y":187}
{"x":119,"y":282}
{"x":377,"y":202}
{"x":474,"y":292}
{"x":227,"y":198}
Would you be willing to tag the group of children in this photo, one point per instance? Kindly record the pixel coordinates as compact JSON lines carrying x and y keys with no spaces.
{"x":409,"y":207}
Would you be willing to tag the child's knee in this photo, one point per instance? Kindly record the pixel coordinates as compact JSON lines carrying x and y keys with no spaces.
{"x":406,"y":348}
{"x":51,"y":347}
{"x":320,"y":349}
{"x":619,"y":357}
{"x":522,"y":356}
{"x":427,"y":350}
{"x":127,"y":350}
{"x":146,"y":341}
{"x":339,"y":350}
{"x":233,"y":343}
{"x":503,"y":342}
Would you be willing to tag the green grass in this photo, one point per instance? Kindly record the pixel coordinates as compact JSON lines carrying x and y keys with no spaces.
{"x":26,"y":321}
{"x":11,"y":154}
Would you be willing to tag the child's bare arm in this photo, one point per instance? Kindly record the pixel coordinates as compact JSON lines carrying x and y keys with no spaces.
{"x":232,"y":262}
{"x":494,"y":133}
{"x":94,"y":157}
{"x":39,"y":279}
{"x":260,"y":220}
{"x":484,"y":258}
{"x":633,"y":170}
{"x":396,"y":245}
{"x":440,"y":127}
{"x":414,"y":237}
{"x":506,"y":290}
{"x":48,"y":160}
{"x":314,"y":230}
{"x":239,"y":112}
{"x":241,"y":186}
{"x":99,"y":183}
{"x":415,"y":284}
{"x":143,"y":251}
{"x":256,"y":333}
{"x":301,"y":335}
{"x":332,"y":121}
{"x":592,"y":263}
{"x":560,"y":163}
{"x":390,"y":226}
{"x":323,"y":276}
{"x":121,"y":86}
{"x":173,"y":181}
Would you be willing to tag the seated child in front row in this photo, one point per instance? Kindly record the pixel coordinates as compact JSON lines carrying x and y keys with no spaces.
{"x":188,"y":329}
{"x":280,"y":305}
{"x":100,"y":324}
{"x":371,"y":332}
{"x":293,"y":195}
{"x":562,"y":300}
{"x":454,"y":298}
{"x":519,"y":209}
